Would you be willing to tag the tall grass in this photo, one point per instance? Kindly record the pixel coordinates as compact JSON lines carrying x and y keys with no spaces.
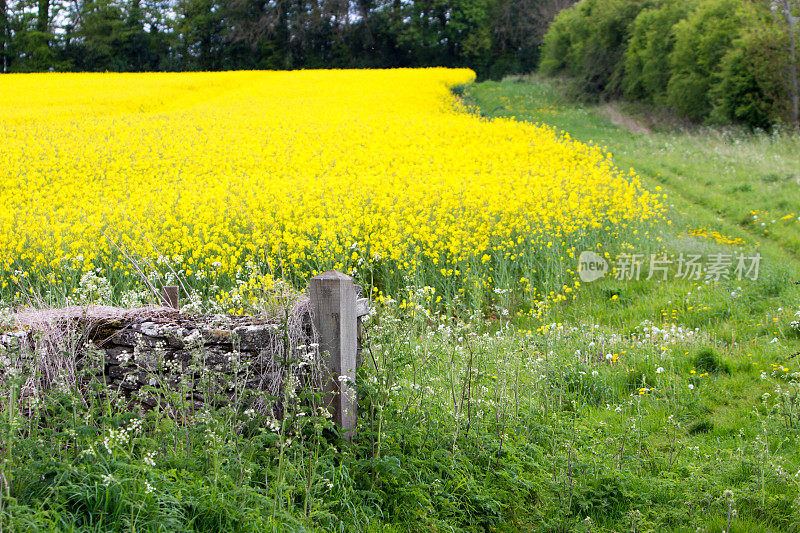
{"x":465,"y":423}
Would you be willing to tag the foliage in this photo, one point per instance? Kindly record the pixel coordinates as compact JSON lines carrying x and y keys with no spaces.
{"x":588,"y":43}
{"x":145,"y":35}
{"x":722,"y":61}
{"x":752,"y":87}
{"x":651,"y":41}
{"x":701,"y":41}
{"x":561,"y":51}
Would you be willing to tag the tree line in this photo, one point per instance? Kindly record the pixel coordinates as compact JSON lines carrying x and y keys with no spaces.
{"x":716,"y":61}
{"x":494,"y":37}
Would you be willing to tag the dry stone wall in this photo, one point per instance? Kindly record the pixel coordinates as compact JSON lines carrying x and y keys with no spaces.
{"x":150,"y":354}
{"x":144,"y":350}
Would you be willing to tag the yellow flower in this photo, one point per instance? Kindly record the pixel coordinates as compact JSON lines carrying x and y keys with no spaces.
{"x":296,"y":172}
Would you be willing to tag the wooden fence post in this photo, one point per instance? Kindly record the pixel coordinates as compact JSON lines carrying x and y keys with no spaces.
{"x":170,"y":296}
{"x":335,"y":316}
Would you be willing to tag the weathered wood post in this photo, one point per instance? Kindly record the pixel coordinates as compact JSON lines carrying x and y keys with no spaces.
{"x":333,"y":305}
{"x":170,"y":296}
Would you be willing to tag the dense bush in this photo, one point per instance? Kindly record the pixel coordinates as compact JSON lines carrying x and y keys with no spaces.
{"x":723,"y":61}
{"x":587,"y":42}
{"x":701,"y":41}
{"x":651,"y":41}
{"x":752,"y":87}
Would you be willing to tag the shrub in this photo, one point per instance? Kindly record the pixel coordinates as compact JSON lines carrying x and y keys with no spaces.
{"x":701,"y":42}
{"x":561,"y":47}
{"x":588,"y":43}
{"x":710,"y":60}
{"x":646,"y":73}
{"x":751,"y":87}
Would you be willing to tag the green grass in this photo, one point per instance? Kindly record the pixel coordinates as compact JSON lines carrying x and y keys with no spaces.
{"x":743,"y":186}
{"x":636,"y":406}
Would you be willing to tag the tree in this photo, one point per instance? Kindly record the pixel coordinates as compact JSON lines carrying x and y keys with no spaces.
{"x":200,"y":28}
{"x":785,"y":7}
{"x":588,"y":42}
{"x":520,"y":27}
{"x":651,"y":42}
{"x":701,"y":42}
{"x":43,"y":17}
{"x":4,"y":34}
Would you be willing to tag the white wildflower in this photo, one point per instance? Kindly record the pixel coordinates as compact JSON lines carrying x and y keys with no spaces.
{"x":149,"y":459}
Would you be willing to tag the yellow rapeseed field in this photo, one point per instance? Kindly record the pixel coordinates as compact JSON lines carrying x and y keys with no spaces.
{"x":381,"y":173}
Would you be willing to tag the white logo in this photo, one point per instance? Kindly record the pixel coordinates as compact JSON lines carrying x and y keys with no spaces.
{"x":591,"y":266}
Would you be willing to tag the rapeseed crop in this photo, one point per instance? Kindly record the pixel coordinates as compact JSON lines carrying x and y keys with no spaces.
{"x":384,"y":174}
